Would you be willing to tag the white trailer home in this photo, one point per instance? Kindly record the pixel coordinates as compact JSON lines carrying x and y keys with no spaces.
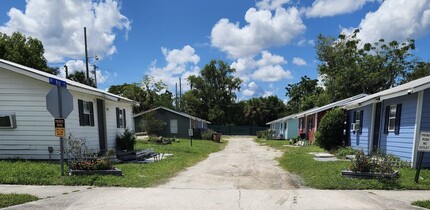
{"x":27,"y":128}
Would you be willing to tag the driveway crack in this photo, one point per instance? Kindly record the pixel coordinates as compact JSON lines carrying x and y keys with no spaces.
{"x":238,"y":201}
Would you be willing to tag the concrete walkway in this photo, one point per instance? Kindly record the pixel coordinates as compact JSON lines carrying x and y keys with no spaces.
{"x":243,"y":176}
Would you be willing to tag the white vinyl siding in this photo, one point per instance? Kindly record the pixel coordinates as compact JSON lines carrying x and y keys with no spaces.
{"x":174,"y":126}
{"x":34,"y":132}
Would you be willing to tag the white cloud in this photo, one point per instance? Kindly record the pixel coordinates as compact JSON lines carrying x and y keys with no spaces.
{"x":180,"y":63}
{"x":79,"y":65}
{"x":252,"y":89}
{"x":299,"y":61}
{"x":263,"y":30}
{"x":326,"y":8}
{"x":59,"y":25}
{"x":271,"y":4}
{"x":395,"y":20}
{"x":268,"y":68}
{"x":271,"y":73}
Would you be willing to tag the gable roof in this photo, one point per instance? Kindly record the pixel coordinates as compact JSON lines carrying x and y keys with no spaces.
{"x":71,"y":85}
{"x":281,"y":119}
{"x":340,"y":103}
{"x":405,"y":89}
{"x":176,"y":112}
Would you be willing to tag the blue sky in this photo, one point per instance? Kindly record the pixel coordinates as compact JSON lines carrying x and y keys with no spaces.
{"x":269,"y":42}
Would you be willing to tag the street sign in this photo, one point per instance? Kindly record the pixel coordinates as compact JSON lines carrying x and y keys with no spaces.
{"x":424,"y":144}
{"x":57,"y":82}
{"x":52,"y":102}
{"x":60,"y":127}
{"x":190,"y":132}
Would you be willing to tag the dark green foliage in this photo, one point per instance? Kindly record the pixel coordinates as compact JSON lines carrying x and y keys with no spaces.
{"x":329,"y":135}
{"x":379,"y":163}
{"x":149,"y":93}
{"x":423,"y":203}
{"x":126,"y":140}
{"x":152,"y":126}
{"x":303,"y":95}
{"x":25,"y":51}
{"x":15,"y":199}
{"x":80,"y":77}
{"x":207,"y":134}
{"x":259,"y":111}
{"x":213,"y":93}
{"x":361,"y":163}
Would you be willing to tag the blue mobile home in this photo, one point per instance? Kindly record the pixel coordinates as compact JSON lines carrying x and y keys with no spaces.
{"x":285,"y":127}
{"x":390,"y":121}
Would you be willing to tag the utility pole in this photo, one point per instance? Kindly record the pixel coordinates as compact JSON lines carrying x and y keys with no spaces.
{"x":67,"y":71}
{"x":176,"y":95}
{"x":180,"y":94}
{"x":86,"y":55}
{"x":95,"y":75}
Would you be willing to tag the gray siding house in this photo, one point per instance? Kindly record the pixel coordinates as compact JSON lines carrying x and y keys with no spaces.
{"x":176,"y":124}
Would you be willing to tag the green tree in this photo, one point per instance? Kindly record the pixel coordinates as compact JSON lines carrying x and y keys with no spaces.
{"x":79,"y":76}
{"x":421,"y":69}
{"x":351,"y":67}
{"x":213,"y":93}
{"x":148,"y":93}
{"x":303,"y":95}
{"x":25,"y":51}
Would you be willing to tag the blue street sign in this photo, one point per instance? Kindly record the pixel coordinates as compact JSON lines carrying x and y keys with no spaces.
{"x":57,"y":82}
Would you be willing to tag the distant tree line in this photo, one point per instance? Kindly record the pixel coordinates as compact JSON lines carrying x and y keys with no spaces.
{"x":348,"y":67}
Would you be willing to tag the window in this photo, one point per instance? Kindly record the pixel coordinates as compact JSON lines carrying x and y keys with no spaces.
{"x":7,"y":120}
{"x":357,"y":122}
{"x":173,"y":126}
{"x":301,"y":124}
{"x":392,"y":118}
{"x":311,"y":123}
{"x":86,"y":113}
{"x":121,"y":120}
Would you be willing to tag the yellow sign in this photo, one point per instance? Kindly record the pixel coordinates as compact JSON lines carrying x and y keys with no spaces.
{"x":60,"y":130}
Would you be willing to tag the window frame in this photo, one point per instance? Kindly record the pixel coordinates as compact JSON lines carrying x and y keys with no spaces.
{"x":86,"y":113}
{"x":12,"y":120}
{"x":392,"y":119}
{"x":171,"y":126}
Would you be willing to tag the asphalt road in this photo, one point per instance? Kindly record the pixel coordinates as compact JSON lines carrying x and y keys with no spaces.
{"x":242,"y":176}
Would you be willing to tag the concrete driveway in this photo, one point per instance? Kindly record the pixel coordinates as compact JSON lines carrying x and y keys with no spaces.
{"x":243,"y":176}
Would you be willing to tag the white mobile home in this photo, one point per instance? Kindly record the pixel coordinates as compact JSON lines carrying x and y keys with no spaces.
{"x":27,"y":128}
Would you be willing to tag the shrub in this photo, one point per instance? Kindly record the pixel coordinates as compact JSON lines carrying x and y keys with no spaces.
{"x":126,"y":140}
{"x":344,"y":151}
{"x":80,"y":157}
{"x":207,"y":135}
{"x":152,"y":126}
{"x":259,"y":134}
{"x":330,"y":132}
{"x":379,"y":163}
{"x":267,"y":134}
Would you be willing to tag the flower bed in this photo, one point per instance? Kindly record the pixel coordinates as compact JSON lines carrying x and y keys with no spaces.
{"x":369,"y":175}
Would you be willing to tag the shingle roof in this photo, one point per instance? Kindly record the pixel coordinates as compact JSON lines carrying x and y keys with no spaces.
{"x":43,"y":76}
{"x":173,"y":111}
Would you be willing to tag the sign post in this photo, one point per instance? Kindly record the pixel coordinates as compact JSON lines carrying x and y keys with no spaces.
{"x":423,"y":146}
{"x":190,"y":133}
{"x":59,"y":102}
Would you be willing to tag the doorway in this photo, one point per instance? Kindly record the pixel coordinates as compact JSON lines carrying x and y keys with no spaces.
{"x":101,"y":120}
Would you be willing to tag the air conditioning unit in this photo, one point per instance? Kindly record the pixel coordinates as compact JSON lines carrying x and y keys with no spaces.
{"x":7,"y":120}
{"x":353,"y":126}
{"x":357,"y":126}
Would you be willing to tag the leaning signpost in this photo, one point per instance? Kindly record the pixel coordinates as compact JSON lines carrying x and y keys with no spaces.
{"x":423,"y":146}
{"x":59,"y":102}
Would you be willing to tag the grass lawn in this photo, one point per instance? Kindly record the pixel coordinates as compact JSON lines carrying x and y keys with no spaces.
{"x":15,"y":199}
{"x":424,"y":204}
{"x":134,"y":175}
{"x":327,"y":175}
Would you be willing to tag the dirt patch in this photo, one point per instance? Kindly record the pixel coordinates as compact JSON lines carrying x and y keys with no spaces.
{"x":243,"y":164}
